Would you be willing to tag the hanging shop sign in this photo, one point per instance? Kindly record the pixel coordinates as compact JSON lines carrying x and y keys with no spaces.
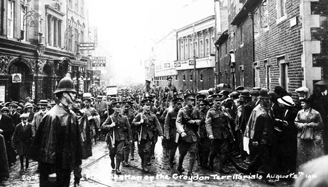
{"x":86,"y":46}
{"x":98,"y":61}
{"x":16,"y":78}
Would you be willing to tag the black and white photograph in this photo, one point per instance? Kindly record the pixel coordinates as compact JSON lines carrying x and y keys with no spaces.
{"x":163,"y":93}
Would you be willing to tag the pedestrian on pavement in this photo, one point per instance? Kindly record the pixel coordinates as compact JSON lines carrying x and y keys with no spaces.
{"x":217,"y":129}
{"x":187,"y":127}
{"x":259,"y":130}
{"x":310,"y":125}
{"x":22,"y":139}
{"x":119,"y":134}
{"x":7,"y":129}
{"x":39,"y":115}
{"x":93,"y":117}
{"x":146,"y":122}
{"x":170,"y":131}
{"x":57,"y":142}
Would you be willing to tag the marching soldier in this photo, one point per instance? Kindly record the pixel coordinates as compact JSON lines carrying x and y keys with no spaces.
{"x":119,"y":135}
{"x":170,"y":131}
{"x":146,"y":123}
{"x":204,"y":143}
{"x":170,"y":90}
{"x":218,"y":132}
{"x":93,"y":117}
{"x":187,"y":128}
{"x":148,"y":90}
{"x":129,"y":113}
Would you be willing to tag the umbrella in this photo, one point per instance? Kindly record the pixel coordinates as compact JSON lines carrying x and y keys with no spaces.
{"x":223,"y":85}
{"x":203,"y":92}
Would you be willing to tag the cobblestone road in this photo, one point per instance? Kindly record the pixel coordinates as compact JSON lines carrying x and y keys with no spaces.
{"x":97,"y":172}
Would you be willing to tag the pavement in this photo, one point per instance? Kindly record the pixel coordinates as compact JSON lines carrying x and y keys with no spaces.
{"x":98,"y":172}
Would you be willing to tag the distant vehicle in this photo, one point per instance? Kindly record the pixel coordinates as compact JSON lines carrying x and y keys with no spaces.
{"x":111,"y":91}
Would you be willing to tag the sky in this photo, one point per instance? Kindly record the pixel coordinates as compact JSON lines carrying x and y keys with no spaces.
{"x":127,"y":29}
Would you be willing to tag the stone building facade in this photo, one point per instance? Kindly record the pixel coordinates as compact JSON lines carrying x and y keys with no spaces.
{"x":34,"y":37}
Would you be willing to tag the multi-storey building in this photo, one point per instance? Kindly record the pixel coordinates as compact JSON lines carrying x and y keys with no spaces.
{"x":195,"y":44}
{"x":275,"y":42}
{"x":165,"y":54}
{"x":39,"y":42}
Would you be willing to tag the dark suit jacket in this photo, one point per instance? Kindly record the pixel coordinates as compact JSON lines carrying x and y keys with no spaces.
{"x":15,"y":118}
{"x":6,"y":124}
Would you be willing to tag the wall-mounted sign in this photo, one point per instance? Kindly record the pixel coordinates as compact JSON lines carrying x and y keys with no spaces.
{"x":87,"y":46}
{"x":177,"y":64}
{"x":192,"y":62}
{"x":98,"y":61}
{"x":16,"y":78}
{"x":166,"y":65}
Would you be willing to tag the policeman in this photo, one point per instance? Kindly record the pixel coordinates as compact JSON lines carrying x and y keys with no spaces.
{"x":187,"y":128}
{"x":57,"y":142}
{"x":217,"y":130}
{"x":147,"y":122}
{"x":170,"y":128}
{"x":119,"y":135}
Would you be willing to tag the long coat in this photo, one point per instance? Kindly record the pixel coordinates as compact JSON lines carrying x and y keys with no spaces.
{"x":57,"y":140}
{"x":4,"y":166}
{"x":22,"y":138}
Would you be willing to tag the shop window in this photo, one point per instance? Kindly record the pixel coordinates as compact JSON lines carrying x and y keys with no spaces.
{"x":283,"y":72}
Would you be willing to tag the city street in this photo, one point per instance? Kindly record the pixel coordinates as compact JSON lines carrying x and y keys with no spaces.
{"x":97,"y":172}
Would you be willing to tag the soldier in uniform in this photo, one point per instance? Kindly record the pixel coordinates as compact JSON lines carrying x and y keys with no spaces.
{"x":148,"y":90}
{"x":187,"y":128}
{"x":170,"y":131}
{"x":170,"y":90}
{"x":204,"y":142}
{"x":119,"y":135}
{"x":217,"y":123}
{"x":146,"y":122}
{"x":93,"y":117}
{"x":129,"y":113}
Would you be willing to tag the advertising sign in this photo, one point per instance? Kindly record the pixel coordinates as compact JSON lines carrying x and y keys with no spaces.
{"x":99,"y":61}
{"x":86,"y":46}
{"x":177,"y":64}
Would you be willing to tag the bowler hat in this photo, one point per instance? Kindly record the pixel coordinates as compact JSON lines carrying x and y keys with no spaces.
{"x":264,"y":93}
{"x":240,"y":88}
{"x":254,"y":93}
{"x":189,"y":96}
{"x":234,"y":94}
{"x":224,"y":92}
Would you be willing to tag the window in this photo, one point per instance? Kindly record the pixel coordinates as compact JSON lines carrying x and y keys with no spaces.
{"x":256,"y":74}
{"x":10,"y":19}
{"x":76,"y":5}
{"x":76,"y":40}
{"x":186,"y":48}
{"x":82,"y":37}
{"x":283,"y":72}
{"x":191,"y":52}
{"x":182,"y":51}
{"x":23,"y":24}
{"x":49,"y":31}
{"x":201,"y":48}
{"x":196,"y":49}
{"x":281,"y":9}
{"x":71,"y":4}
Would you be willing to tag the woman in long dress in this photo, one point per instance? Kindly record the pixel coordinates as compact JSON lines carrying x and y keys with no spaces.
{"x":308,"y":148}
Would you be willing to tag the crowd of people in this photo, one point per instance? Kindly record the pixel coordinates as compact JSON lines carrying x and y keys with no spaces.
{"x":272,"y":130}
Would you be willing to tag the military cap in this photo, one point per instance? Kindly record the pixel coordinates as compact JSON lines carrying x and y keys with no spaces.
{"x":24,"y":116}
{"x":200,"y":97}
{"x":169,"y":78}
{"x":254,"y":92}
{"x":224,"y":92}
{"x":234,"y":94}
{"x":189,"y":96}
{"x":264,"y":93}
{"x":256,"y":88}
{"x":240,"y":88}
{"x":177,"y":100}
{"x":244,"y":93}
{"x":4,"y":109}
{"x":302,"y":90}
{"x":321,"y":83}
{"x":203,"y":102}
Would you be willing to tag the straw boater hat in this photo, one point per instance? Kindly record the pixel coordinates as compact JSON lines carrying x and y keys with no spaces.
{"x":286,"y":100}
{"x":24,"y":115}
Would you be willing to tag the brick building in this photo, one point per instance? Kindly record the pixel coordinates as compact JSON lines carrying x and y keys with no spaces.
{"x":274,"y":42}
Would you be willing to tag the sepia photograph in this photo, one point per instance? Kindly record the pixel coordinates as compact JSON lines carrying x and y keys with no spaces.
{"x":163,"y":93}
